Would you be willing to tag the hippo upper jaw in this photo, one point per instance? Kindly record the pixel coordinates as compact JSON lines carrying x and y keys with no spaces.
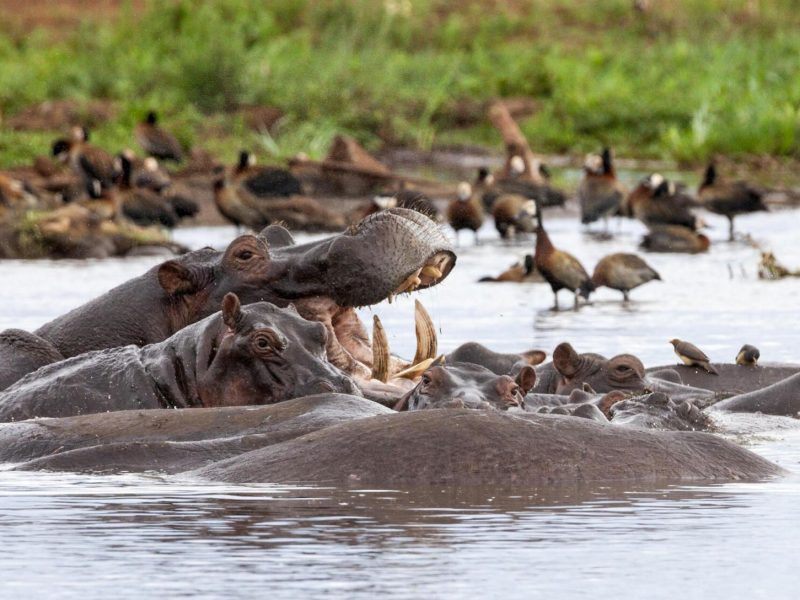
{"x":392,"y":252}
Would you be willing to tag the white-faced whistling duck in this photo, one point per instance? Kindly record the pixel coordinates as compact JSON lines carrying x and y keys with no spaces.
{"x":729,"y":199}
{"x":465,"y":211}
{"x":157,"y":141}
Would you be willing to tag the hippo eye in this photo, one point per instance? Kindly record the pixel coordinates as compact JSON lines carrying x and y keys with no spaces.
{"x":244,"y":255}
{"x":267,"y":342}
{"x":425,"y":380}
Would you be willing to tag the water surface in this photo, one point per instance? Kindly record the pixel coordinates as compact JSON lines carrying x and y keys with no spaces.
{"x":133,"y":536}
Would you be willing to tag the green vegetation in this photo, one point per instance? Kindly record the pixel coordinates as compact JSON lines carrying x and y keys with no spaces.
{"x":684,"y":80}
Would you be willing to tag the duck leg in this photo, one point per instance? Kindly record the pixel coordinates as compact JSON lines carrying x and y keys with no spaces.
{"x":577,"y":294}
{"x":730,"y":230}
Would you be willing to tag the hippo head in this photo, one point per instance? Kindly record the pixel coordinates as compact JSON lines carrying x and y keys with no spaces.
{"x":465,"y":385}
{"x":261,"y":354}
{"x":622,"y":372}
{"x":391,"y":252}
{"x":658,"y":411}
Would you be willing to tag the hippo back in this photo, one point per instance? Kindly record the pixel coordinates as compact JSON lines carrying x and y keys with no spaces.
{"x":90,"y":383}
{"x":22,"y":352}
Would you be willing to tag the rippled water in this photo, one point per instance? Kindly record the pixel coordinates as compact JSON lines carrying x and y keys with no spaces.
{"x":132,"y":536}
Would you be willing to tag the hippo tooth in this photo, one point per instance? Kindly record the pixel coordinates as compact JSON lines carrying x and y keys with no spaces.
{"x":416,"y":369}
{"x":432,"y":272}
{"x":380,"y":351}
{"x":410,"y":282}
{"x":427,"y":343}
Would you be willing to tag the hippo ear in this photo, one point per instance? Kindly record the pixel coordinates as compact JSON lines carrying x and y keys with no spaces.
{"x":176,"y":279}
{"x":534,"y":357}
{"x":526,"y":379}
{"x":231,"y":311}
{"x":292,"y":308}
{"x":566,"y":360}
{"x":277,"y":236}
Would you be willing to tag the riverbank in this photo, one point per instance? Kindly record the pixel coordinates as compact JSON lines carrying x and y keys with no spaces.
{"x":680,"y":81}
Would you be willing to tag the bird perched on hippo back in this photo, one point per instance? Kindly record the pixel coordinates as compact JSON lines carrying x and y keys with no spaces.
{"x":560,"y":269}
{"x":624,"y":272}
{"x":465,"y":211}
{"x":156,"y":140}
{"x":748,"y":355}
{"x":729,"y":199}
{"x":692,"y":356}
{"x":600,"y":194}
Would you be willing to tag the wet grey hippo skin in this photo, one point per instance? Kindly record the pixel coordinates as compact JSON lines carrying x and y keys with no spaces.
{"x":470,"y":447}
{"x":324,"y":279}
{"x":257,"y":354}
{"x":781,"y":398}
{"x":467,"y":385}
{"x":732,"y":378}
{"x":497,"y":362}
{"x":570,"y":370}
{"x":23,"y":352}
{"x":168,"y":440}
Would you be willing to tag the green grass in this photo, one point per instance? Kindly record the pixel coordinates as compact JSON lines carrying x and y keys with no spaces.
{"x":688,"y":80}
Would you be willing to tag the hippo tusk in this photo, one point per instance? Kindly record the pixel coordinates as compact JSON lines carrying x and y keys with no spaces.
{"x":380,"y":351}
{"x":427,"y":343}
{"x":416,"y":369}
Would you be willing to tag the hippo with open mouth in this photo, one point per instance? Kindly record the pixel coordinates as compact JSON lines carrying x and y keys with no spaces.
{"x":391,"y":252}
{"x":257,"y":354}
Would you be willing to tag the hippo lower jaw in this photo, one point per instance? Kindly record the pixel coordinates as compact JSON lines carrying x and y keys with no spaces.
{"x":369,"y":362}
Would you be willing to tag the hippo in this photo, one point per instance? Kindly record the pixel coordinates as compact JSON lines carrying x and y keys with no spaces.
{"x":171,"y":441}
{"x":333,"y":438}
{"x":394,"y":251}
{"x":730,"y":378}
{"x":497,"y":362}
{"x":259,"y":354}
{"x":454,"y":447}
{"x":570,"y":370}
{"x":467,"y":385}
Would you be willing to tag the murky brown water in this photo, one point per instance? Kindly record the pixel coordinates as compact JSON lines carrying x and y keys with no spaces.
{"x":129,"y":536}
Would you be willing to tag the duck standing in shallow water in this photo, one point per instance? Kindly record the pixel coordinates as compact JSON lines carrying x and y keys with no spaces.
{"x":465,"y":211}
{"x":600,"y":194}
{"x":729,"y":199}
{"x":623,"y":272}
{"x":560,"y":269}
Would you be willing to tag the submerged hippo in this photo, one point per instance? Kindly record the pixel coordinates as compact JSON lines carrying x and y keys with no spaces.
{"x":473,"y":447}
{"x":171,"y":440}
{"x":259,"y":354}
{"x":570,"y":370}
{"x":466,"y":385}
{"x":344,"y":439}
{"x":391,"y":252}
